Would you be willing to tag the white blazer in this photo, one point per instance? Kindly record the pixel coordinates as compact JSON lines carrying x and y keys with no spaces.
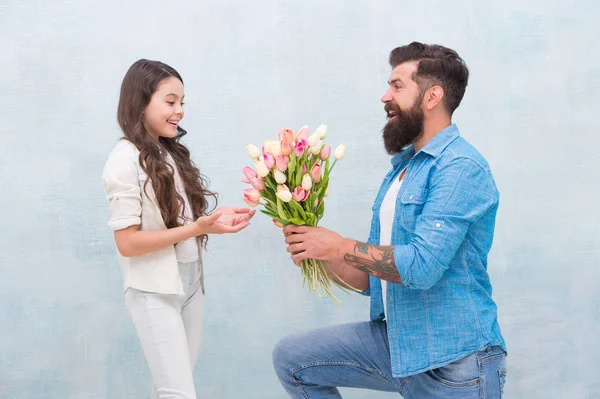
{"x":123,"y":179}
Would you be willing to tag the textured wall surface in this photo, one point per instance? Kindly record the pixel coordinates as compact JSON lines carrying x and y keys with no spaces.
{"x":250,"y":68}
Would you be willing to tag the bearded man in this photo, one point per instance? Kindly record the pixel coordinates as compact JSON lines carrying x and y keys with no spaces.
{"x":433,"y":329}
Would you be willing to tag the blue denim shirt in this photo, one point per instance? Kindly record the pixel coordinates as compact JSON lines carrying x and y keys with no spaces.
{"x":442,"y":232}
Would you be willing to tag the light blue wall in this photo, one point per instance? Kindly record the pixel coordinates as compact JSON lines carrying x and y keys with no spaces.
{"x":250,"y":68}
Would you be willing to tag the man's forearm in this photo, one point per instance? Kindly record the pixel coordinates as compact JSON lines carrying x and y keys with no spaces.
{"x":372,"y":259}
{"x":347,"y":276}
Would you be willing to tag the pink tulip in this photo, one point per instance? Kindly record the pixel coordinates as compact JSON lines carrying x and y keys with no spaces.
{"x":300,"y":147}
{"x":300,"y":194}
{"x":302,"y":134}
{"x":303,"y":169}
{"x":315,"y":172}
{"x":325,"y":152}
{"x":282,"y":163}
{"x":245,"y":180}
{"x":251,"y":196}
{"x":286,"y":136}
{"x":258,"y":183}
{"x":249,"y":173}
{"x":286,"y":149}
{"x":269,"y":160}
{"x":277,"y":223}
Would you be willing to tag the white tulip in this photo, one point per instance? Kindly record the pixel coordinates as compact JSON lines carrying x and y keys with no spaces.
{"x":284,"y":195}
{"x":253,"y":151}
{"x":321,"y":131}
{"x":316,"y":149}
{"x":279,"y":177}
{"x":306,"y":182}
{"x":275,"y":148}
{"x":313,"y":139}
{"x":261,"y":169}
{"x":272,"y":147}
{"x":339,"y":151}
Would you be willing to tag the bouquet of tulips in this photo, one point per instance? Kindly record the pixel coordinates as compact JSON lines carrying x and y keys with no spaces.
{"x":290,"y":180}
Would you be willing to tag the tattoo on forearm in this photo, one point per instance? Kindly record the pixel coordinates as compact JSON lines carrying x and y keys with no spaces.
{"x":374,"y":259}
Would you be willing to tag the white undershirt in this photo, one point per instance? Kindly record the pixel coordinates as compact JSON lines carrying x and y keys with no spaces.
{"x":386,"y":220}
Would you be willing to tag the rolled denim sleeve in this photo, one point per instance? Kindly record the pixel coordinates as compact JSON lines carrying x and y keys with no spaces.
{"x":459,"y":195}
{"x":122,"y":188}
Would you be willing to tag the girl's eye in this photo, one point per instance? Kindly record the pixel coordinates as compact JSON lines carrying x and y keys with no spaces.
{"x":182,"y":104}
{"x":171,"y":102}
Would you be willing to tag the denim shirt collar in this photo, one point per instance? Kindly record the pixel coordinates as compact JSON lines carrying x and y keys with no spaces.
{"x":434,"y":147}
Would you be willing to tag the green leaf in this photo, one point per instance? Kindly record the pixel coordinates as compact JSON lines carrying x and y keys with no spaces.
{"x":298,"y":207}
{"x":270,"y":182}
{"x":297,"y":221}
{"x":298,"y":179}
{"x":270,"y":214}
{"x":280,"y":210}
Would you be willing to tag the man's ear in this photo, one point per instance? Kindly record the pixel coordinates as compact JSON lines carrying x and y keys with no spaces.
{"x":433,"y":97}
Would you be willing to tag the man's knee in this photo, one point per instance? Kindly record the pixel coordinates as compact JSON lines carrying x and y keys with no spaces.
{"x":284,"y":352}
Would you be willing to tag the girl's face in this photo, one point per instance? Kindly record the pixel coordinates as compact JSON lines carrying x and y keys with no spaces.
{"x":165,"y":110}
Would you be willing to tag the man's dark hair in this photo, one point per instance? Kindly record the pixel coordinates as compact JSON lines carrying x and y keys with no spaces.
{"x":438,"y":65}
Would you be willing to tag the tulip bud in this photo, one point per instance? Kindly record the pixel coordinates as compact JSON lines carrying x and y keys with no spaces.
{"x":301,"y":134}
{"x":282,"y":162}
{"x":279,"y":177}
{"x":315,"y":172}
{"x":253,"y":151}
{"x":285,"y":196}
{"x":286,"y":136}
{"x":300,"y":194}
{"x":339,"y":151}
{"x":313,"y":139}
{"x":251,"y":196}
{"x":258,"y":183}
{"x":249,"y":172}
{"x":261,"y":168}
{"x":275,"y":148}
{"x":286,"y":149}
{"x":300,"y":147}
{"x":325,"y":152}
{"x":316,"y":149}
{"x":268,"y":160}
{"x":306,"y":182}
{"x":321,"y":131}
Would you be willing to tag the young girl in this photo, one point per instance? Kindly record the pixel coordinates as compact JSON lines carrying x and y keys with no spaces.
{"x":158,"y":207}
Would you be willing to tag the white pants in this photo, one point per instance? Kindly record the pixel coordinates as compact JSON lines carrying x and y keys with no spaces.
{"x":170,"y":330}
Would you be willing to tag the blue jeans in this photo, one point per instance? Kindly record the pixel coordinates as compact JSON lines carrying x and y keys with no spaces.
{"x":313,"y":364}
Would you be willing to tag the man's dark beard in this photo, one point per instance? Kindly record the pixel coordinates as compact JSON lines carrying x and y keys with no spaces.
{"x":403,"y":129}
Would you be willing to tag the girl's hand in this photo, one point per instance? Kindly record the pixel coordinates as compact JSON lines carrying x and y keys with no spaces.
{"x":232,"y":216}
{"x":224,"y":220}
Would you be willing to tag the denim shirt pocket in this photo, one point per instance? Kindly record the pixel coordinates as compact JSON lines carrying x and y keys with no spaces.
{"x":411,"y":206}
